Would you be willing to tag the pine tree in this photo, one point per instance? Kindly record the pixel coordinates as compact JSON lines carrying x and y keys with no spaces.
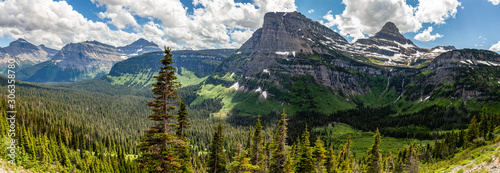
{"x":319,"y":155}
{"x":374,"y":156}
{"x":257,"y":153}
{"x":158,"y":144}
{"x":184,"y":149}
{"x":280,"y":152}
{"x":472,"y":131}
{"x":182,"y":121}
{"x":483,"y":124}
{"x":241,"y":163}
{"x":330,"y":164}
{"x":216,"y":158}
{"x":345,"y":158}
{"x":305,"y":160}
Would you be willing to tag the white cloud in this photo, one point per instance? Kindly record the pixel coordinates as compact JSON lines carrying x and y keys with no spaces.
{"x":54,"y":24}
{"x":436,"y":11}
{"x":213,"y":23}
{"x":495,"y":47}
{"x":310,"y":11}
{"x":367,"y":17}
{"x":494,"y":2}
{"x":427,"y":36}
{"x":362,"y":17}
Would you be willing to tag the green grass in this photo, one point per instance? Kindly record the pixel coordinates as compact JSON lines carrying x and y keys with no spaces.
{"x":144,"y":78}
{"x":362,"y":141}
{"x":464,"y":160}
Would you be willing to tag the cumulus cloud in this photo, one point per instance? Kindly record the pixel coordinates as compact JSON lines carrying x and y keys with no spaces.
{"x":310,"y":11}
{"x":367,"y":17}
{"x":212,"y":24}
{"x":495,"y":47}
{"x":54,"y":24}
{"x":494,"y":2}
{"x":362,"y":17}
{"x":427,"y":36}
{"x":436,"y":11}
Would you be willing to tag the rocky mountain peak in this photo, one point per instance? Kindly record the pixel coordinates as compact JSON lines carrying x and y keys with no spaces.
{"x":391,"y":32}
{"x":289,"y":32}
{"x":140,"y":46}
{"x":143,"y":42}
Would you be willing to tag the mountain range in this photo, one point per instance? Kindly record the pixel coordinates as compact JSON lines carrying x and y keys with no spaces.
{"x":75,"y":61}
{"x":289,"y":50}
{"x":25,"y":54}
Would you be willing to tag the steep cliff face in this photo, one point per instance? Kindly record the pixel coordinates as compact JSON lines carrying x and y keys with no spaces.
{"x":25,"y":54}
{"x":289,"y":32}
{"x":292,"y":45}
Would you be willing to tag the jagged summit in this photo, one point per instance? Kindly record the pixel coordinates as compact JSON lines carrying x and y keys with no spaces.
{"x":289,"y":32}
{"x":391,"y":32}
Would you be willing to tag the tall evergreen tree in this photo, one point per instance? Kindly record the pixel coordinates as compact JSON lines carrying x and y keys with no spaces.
{"x":280,"y":152}
{"x":216,"y":158}
{"x":330,"y":161}
{"x":472,"y":131}
{"x":374,"y":157}
{"x":483,"y":124}
{"x":241,"y":163}
{"x":183,"y":148}
{"x":345,"y":158}
{"x":182,"y":121}
{"x":319,"y":154}
{"x":158,"y":143}
{"x":305,"y":160}
{"x":257,"y":150}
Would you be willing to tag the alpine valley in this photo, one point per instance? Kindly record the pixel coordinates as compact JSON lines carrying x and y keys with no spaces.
{"x":89,"y":101}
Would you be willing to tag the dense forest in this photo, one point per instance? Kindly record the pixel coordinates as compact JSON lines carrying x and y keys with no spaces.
{"x":56,"y":134}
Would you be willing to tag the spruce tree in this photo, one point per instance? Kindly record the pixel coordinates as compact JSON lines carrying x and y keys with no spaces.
{"x":483,"y":124}
{"x":305,"y":160}
{"x":183,"y":148}
{"x":330,"y":161}
{"x":158,"y":145}
{"x":345,"y":158}
{"x":182,"y":121}
{"x":257,"y":150}
{"x":280,"y":152}
{"x":472,"y":131}
{"x":241,"y":163}
{"x":216,"y":158}
{"x":373,"y":162}
{"x":319,"y":154}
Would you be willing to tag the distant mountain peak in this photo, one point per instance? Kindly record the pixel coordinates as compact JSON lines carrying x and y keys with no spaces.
{"x":390,"y":27}
{"x":391,"y":32}
{"x":143,"y":42}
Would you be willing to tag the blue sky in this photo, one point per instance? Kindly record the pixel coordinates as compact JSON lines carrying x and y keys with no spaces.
{"x":200,"y":24}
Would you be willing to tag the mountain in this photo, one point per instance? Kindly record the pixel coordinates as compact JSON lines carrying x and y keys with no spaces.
{"x":139,"y":47}
{"x":84,"y":60}
{"x":25,"y":53}
{"x":390,"y":47}
{"x":192,"y":67}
